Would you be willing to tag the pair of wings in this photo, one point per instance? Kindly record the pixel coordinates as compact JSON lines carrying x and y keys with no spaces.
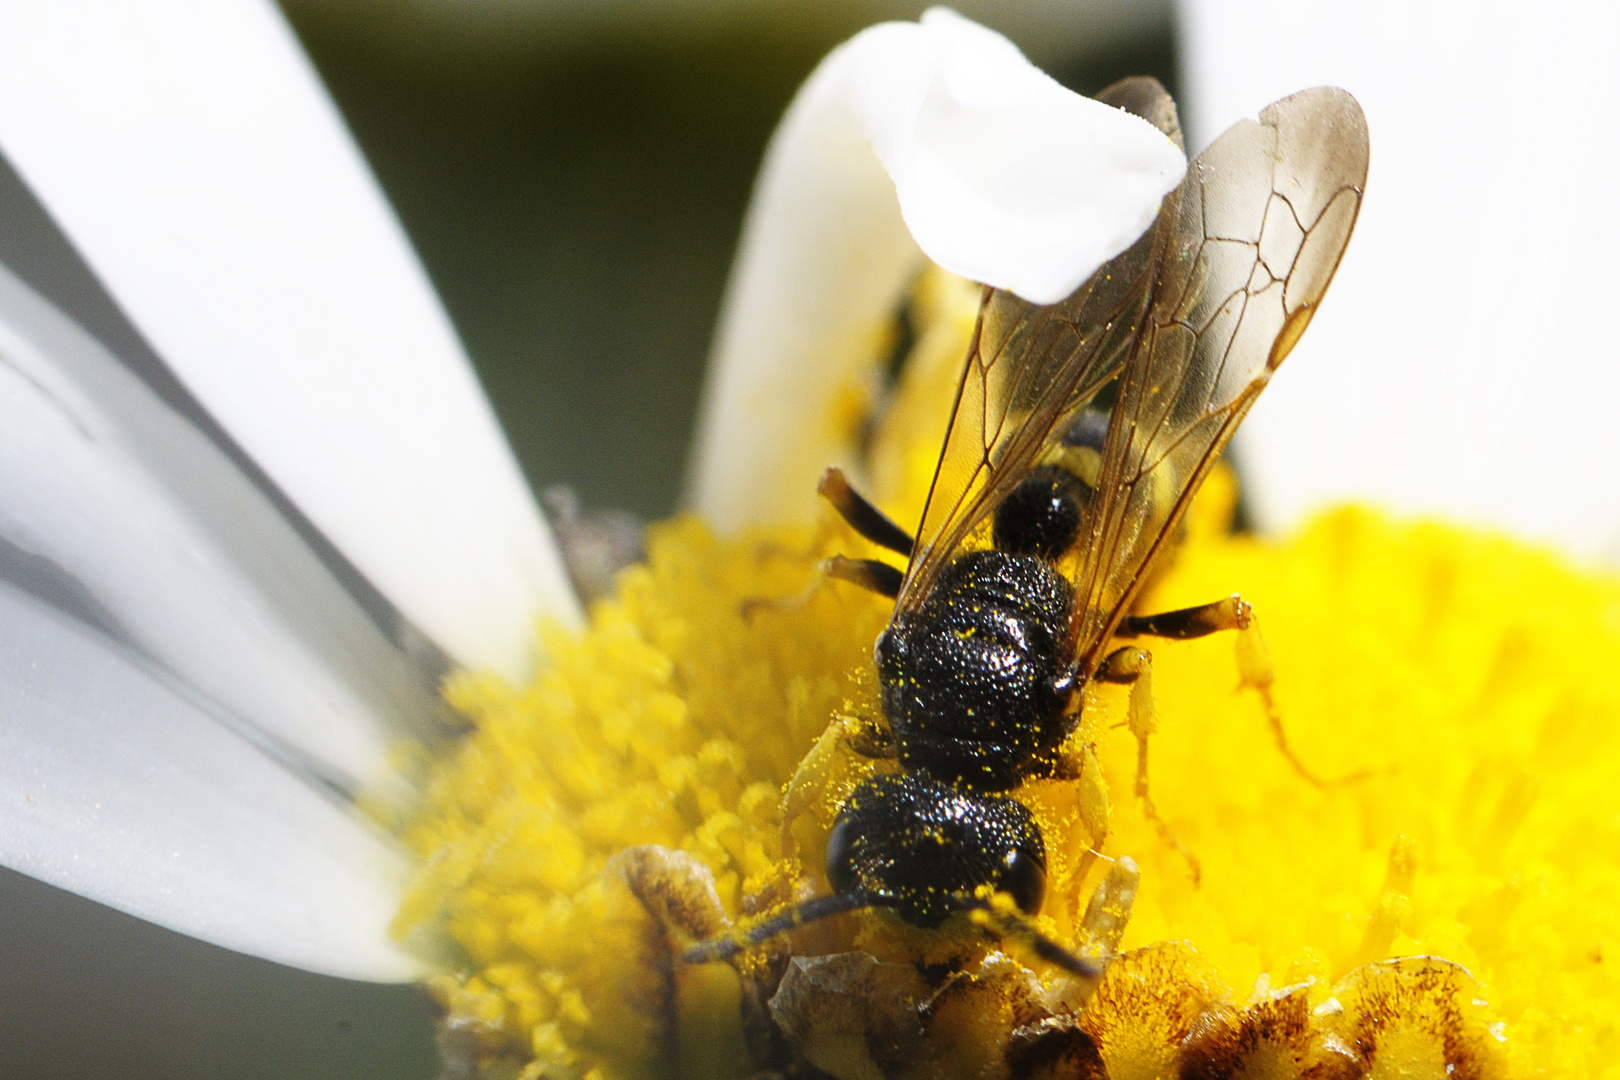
{"x":1191,"y":321}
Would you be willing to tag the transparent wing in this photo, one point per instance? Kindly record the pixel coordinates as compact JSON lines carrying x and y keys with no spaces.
{"x":1026,"y":366}
{"x":1259,"y":227}
{"x":1029,"y":368}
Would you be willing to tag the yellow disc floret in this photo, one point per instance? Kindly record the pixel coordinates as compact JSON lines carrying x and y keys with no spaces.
{"x":1442,"y":904}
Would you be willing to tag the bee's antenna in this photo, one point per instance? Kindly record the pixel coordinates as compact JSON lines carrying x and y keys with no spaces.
{"x":1006,"y":921}
{"x":728,"y":945}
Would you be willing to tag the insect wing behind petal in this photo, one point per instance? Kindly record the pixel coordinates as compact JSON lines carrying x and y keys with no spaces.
{"x":1261,"y":223}
{"x":1029,"y":371}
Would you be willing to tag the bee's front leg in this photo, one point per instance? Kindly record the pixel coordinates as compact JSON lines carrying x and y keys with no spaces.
{"x":1134,"y":667}
{"x":846,"y":739}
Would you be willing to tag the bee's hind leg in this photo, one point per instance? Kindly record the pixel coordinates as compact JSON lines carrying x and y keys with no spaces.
{"x":1253,"y":661}
{"x":1134,"y":667}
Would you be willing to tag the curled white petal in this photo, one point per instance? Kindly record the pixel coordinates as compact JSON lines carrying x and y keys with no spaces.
{"x":115,"y":788}
{"x":1462,"y":363}
{"x":933,"y":138}
{"x":188,"y":150}
{"x":116,"y":507}
{"x":1003,"y":176}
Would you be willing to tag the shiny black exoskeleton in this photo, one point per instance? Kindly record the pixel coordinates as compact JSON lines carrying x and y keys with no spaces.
{"x":973,"y":683}
{"x":1133,"y":385}
{"x":909,"y":842}
{"x":977,"y":691}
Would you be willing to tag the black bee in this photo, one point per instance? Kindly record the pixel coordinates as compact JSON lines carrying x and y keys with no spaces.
{"x":1047,"y":512}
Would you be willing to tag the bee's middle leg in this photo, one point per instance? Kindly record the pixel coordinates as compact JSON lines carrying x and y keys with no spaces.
{"x":873,"y":575}
{"x":1134,"y":667}
{"x":1253,"y":660}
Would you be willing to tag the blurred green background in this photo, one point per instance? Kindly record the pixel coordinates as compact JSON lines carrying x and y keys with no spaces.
{"x":574,"y":176}
{"x":575,"y":185}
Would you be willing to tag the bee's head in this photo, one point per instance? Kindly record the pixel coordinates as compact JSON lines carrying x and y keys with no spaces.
{"x":926,"y":849}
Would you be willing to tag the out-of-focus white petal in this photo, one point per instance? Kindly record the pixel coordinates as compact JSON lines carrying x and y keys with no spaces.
{"x":114,"y":787}
{"x":941,"y":126}
{"x":115,"y":505}
{"x":1462,"y":363}
{"x":188,"y":150}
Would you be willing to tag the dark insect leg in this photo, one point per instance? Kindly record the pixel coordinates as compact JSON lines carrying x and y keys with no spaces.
{"x":1185,"y":624}
{"x":729,"y":945}
{"x":1134,"y":667}
{"x":1253,"y":661}
{"x":1005,"y":921}
{"x":862,"y":516}
{"x":879,"y":577}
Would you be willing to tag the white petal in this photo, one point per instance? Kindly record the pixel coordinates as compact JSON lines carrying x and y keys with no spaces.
{"x":1001,"y":175}
{"x":1462,"y":363}
{"x":116,"y":789}
{"x":1007,"y":178}
{"x":189,"y":151}
{"x":118,"y":508}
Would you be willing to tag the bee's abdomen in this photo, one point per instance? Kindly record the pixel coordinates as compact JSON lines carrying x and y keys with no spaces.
{"x":969,"y":680}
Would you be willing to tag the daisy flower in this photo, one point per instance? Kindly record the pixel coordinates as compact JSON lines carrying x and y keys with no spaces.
{"x":234,"y":576}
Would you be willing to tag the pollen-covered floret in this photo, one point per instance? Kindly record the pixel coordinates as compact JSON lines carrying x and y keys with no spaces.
{"x":1444,"y":905}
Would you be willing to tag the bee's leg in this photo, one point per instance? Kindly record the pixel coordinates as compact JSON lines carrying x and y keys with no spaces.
{"x":862,"y":516}
{"x":869,"y":574}
{"x":1091,"y":792}
{"x":870,"y":522}
{"x":1253,"y":660}
{"x":879,"y":577}
{"x":1184,"y":624}
{"x":1103,"y":924}
{"x":846,"y":737}
{"x":1134,"y":667}
{"x":1075,"y":763}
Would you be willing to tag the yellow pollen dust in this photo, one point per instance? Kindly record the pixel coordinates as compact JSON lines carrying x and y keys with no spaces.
{"x":716,"y":711}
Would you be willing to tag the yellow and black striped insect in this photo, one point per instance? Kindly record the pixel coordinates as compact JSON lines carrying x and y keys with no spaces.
{"x":1049,"y":508}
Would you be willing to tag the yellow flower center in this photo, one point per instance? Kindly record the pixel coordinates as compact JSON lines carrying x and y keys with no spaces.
{"x":717,"y":710}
